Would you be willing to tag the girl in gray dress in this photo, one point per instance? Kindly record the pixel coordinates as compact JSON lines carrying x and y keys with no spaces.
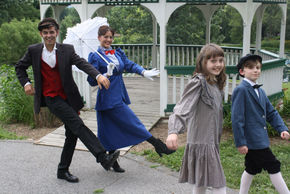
{"x":200,"y":113}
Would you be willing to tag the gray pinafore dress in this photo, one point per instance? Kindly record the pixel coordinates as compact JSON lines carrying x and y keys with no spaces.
{"x":200,"y":113}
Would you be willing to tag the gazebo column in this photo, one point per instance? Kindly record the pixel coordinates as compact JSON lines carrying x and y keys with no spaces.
{"x":43,"y":9}
{"x":246,"y":37}
{"x":82,"y":10}
{"x":101,"y":12}
{"x":208,"y":11}
{"x":162,"y":12}
{"x":259,"y":20}
{"x":247,"y":11}
{"x":57,"y":10}
{"x":154,"y":47}
{"x":86,"y":10}
{"x":283,"y":30}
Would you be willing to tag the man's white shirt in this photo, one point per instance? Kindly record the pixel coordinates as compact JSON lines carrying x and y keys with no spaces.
{"x":49,"y":57}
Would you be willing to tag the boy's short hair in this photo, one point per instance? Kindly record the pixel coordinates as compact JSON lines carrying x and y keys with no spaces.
{"x":248,"y":61}
{"x":47,"y":23}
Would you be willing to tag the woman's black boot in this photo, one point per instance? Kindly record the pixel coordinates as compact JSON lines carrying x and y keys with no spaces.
{"x":159,"y":146}
{"x":116,"y":165}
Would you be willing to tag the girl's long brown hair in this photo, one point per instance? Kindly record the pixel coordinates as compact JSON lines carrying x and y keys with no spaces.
{"x":208,"y":51}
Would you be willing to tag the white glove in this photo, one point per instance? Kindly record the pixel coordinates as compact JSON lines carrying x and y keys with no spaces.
{"x":110,"y":69}
{"x":151,"y":73}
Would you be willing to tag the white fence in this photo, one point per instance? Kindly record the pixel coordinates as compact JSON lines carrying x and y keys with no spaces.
{"x":181,"y":58}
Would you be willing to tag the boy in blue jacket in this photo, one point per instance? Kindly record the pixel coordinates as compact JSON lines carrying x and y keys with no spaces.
{"x":251,"y":109}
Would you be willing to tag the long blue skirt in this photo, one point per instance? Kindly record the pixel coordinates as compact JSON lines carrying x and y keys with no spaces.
{"x":119,"y":127}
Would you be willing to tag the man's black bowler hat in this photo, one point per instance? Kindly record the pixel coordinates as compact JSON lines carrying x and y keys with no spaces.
{"x":248,"y":57}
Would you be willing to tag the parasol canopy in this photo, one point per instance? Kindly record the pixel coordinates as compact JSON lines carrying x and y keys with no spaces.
{"x":84,"y":36}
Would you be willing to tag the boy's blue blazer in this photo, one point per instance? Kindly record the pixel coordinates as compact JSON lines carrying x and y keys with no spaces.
{"x":117,"y":94}
{"x":249,"y":116}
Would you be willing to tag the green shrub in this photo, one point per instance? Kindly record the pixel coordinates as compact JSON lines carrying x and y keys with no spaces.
{"x":15,"y":105}
{"x":274,"y":45}
{"x":227,"y":123}
{"x":8,"y":135}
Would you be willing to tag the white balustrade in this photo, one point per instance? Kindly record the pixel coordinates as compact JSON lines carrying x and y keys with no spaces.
{"x":271,"y":79}
{"x":185,"y":55}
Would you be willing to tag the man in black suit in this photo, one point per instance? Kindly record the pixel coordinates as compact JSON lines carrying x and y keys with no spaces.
{"x":55,"y":88}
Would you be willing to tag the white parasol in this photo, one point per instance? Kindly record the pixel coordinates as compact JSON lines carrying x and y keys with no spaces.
{"x":84,"y":37}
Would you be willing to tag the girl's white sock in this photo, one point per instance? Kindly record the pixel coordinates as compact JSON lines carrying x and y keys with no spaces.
{"x":279,"y":183}
{"x":198,"y":190}
{"x":221,"y":190}
{"x":246,"y":181}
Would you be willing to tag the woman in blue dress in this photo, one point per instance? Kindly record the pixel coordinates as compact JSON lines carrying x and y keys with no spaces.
{"x":118,"y":126}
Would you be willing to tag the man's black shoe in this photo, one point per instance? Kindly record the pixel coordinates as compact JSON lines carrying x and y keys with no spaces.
{"x":67,"y":176}
{"x":109,"y":159}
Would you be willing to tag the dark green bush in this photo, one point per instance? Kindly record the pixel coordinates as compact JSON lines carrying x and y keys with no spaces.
{"x":285,"y":112}
{"x":227,"y":123}
{"x":274,"y":45}
{"x":15,"y":105}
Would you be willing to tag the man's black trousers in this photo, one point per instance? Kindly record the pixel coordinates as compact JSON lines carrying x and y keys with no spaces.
{"x":74,"y":128}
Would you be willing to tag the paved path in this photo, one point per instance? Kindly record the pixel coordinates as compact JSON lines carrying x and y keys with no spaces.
{"x":26,"y":168}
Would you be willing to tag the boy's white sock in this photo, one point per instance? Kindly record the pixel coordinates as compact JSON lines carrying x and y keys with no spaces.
{"x":222,"y":190}
{"x":279,"y":183}
{"x":246,"y":181}
{"x":198,"y":190}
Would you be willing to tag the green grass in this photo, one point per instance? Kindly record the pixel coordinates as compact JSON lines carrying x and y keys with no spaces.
{"x":233,"y":164}
{"x":8,"y":135}
{"x":99,"y":191}
{"x":287,"y":91}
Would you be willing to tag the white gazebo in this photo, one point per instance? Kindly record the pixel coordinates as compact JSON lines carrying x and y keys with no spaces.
{"x":161,"y":10}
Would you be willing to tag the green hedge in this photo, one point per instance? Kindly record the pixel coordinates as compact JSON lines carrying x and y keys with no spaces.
{"x":15,"y":105}
{"x":274,"y":45}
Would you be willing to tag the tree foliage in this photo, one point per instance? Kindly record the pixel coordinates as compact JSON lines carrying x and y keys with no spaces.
{"x":182,"y":30}
{"x":18,"y":9}
{"x":133,"y":23}
{"x":288,"y":21}
{"x":70,"y":18}
{"x":15,"y":38}
{"x":271,"y":22}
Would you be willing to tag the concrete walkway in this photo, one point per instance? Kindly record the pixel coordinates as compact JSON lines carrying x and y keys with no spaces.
{"x":26,"y":168}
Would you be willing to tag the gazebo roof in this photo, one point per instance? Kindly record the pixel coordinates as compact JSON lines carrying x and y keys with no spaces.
{"x":137,"y":2}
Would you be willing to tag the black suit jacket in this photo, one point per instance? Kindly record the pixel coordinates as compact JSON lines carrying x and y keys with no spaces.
{"x":66,"y":57}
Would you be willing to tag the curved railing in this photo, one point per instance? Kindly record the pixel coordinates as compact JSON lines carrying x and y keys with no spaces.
{"x":180,"y":64}
{"x":271,"y":77}
{"x":147,"y":55}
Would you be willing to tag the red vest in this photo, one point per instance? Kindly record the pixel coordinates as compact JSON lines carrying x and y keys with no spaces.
{"x":51,"y":82}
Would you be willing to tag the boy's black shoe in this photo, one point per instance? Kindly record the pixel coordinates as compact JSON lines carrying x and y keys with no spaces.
{"x":109,"y":159}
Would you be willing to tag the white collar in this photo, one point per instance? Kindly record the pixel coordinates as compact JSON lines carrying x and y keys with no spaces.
{"x":46,"y":50}
{"x":49,"y":57}
{"x":249,"y":81}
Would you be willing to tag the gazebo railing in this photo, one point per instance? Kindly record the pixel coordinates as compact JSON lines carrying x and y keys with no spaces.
{"x":180,"y":66}
{"x":177,"y":55}
{"x":271,"y":77}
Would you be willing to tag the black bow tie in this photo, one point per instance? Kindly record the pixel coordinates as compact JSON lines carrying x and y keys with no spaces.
{"x":256,"y":86}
